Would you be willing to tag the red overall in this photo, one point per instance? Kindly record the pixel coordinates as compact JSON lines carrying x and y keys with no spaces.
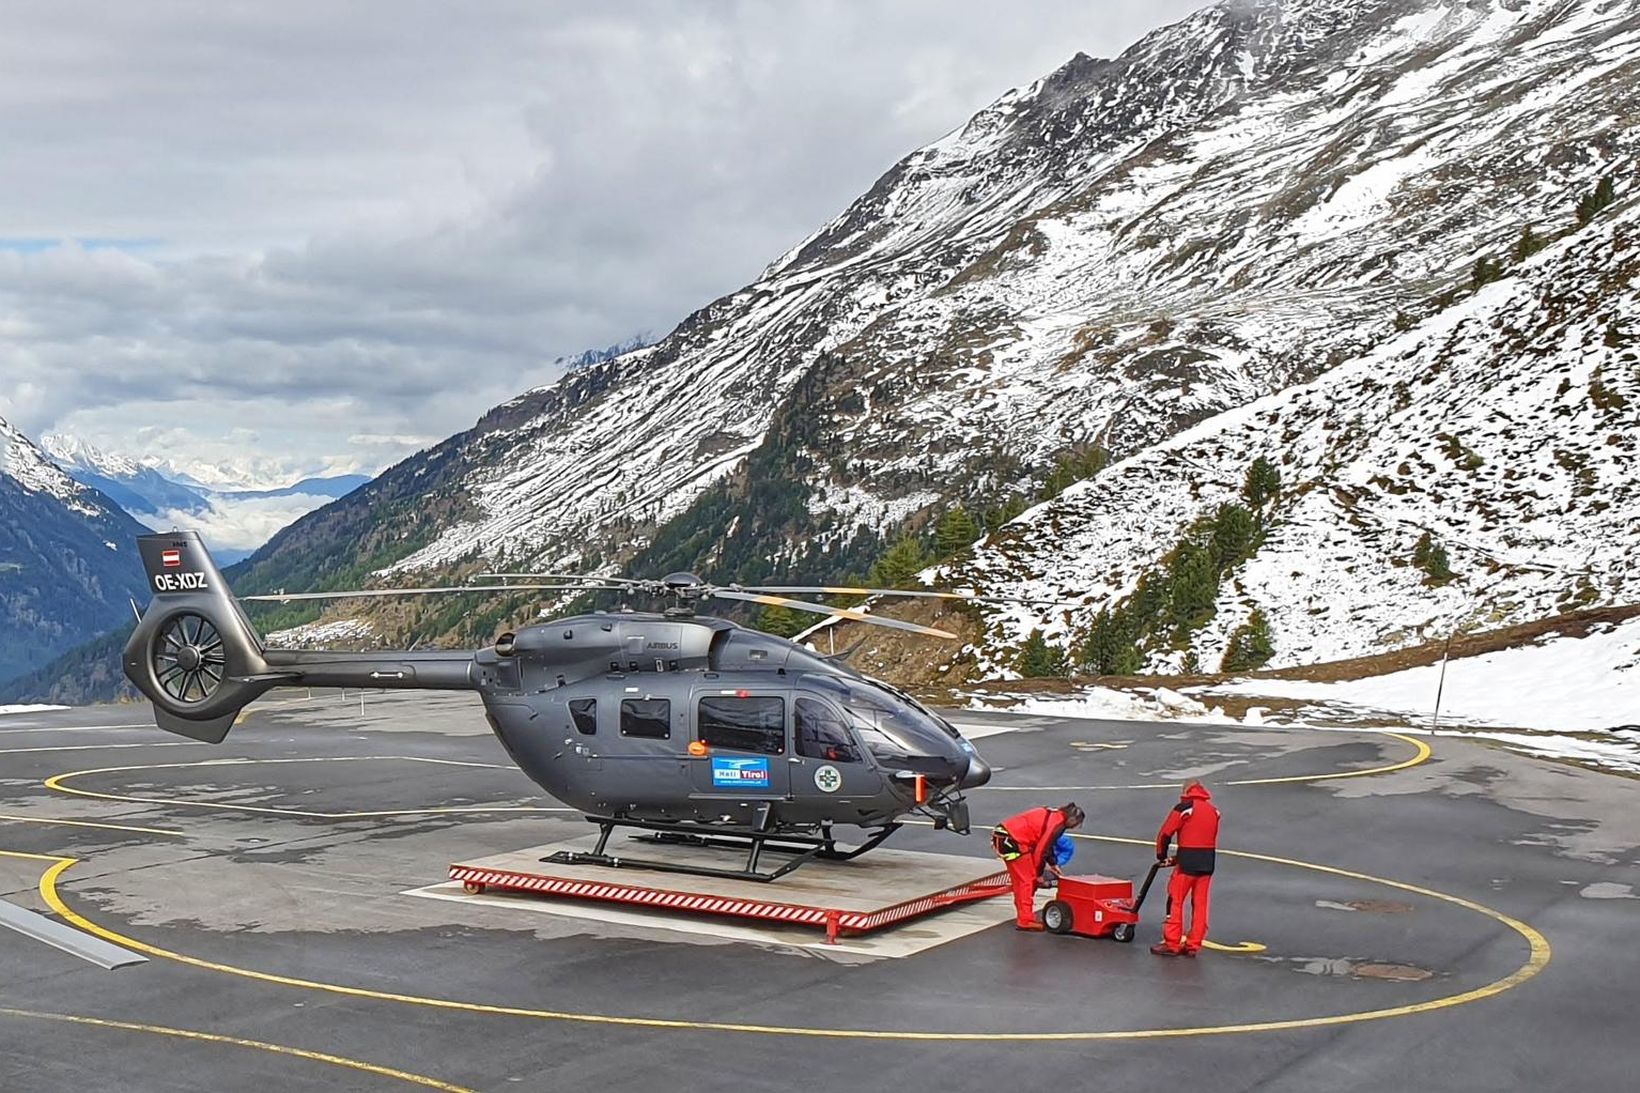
{"x":1033,"y":833}
{"x":1196,"y":822}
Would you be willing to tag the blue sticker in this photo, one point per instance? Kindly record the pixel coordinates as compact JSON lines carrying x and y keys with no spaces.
{"x":732,"y":773}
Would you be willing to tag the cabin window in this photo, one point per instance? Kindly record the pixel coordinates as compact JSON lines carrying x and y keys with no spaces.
{"x":584,"y":712}
{"x":822,"y":734}
{"x":744,"y":724}
{"x":646,"y":717}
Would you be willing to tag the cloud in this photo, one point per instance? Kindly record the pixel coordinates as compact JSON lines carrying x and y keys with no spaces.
{"x":241,"y":524}
{"x":377,"y":221}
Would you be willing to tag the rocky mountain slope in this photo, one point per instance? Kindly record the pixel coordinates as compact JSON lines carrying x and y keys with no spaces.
{"x":68,"y":559}
{"x":1504,"y":432}
{"x":1257,"y":196}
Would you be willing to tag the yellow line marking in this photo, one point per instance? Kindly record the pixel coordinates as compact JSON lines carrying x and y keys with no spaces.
{"x":237,"y":1041}
{"x":31,"y":857}
{"x":1240,"y":947}
{"x":57,"y":782}
{"x":88,"y":823}
{"x":1537,"y":960}
{"x":1421,"y":754}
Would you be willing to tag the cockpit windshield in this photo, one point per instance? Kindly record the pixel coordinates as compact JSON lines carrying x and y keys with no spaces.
{"x":890,"y":725}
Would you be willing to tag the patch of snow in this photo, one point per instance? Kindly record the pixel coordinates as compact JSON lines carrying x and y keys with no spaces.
{"x":27,"y":465}
{"x":29,"y":709}
{"x":1563,"y":684}
{"x":317,"y":635}
{"x":1108,"y":704}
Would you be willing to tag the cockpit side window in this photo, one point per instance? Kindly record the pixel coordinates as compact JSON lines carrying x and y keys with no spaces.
{"x":584,"y":712}
{"x":646,"y":717}
{"x":743,"y":723}
{"x":822,"y":734}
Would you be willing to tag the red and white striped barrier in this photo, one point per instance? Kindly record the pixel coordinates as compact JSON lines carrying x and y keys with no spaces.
{"x":833,"y":920}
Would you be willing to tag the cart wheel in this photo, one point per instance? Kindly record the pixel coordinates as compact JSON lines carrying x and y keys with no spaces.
{"x":472,"y":887}
{"x":1123,"y":932}
{"x":1057,"y":917}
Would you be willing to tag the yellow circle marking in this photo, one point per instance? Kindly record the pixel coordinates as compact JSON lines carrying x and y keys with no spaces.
{"x":237,"y":1041}
{"x":59,"y":782}
{"x":1421,"y":753}
{"x":1537,"y":960}
{"x":1239,"y":947}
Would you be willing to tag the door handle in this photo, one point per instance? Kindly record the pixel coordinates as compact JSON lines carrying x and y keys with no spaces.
{"x":793,"y":759}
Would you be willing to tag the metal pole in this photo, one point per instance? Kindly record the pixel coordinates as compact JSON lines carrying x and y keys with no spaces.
{"x":1440,"y":685}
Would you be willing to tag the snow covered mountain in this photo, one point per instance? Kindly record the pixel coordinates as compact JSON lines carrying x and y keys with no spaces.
{"x":1505,"y":429}
{"x":68,"y":558}
{"x":140,"y":490}
{"x":1260,"y":195}
{"x":234,"y":521}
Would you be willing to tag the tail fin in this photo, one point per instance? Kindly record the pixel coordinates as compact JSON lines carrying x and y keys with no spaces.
{"x":194,"y":653}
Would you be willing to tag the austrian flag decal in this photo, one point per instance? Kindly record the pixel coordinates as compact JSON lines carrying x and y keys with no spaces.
{"x":171,"y":559}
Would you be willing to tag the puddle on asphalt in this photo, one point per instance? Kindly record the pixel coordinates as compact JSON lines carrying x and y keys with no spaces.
{"x":1374,"y":906}
{"x":1348,"y":968}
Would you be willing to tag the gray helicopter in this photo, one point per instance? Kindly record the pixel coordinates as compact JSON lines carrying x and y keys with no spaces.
{"x":686,"y":727}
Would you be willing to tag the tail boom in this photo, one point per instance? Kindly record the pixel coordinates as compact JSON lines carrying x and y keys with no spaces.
{"x":195,"y":656}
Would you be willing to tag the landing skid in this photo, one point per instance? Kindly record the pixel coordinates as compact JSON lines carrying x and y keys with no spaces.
{"x":801,"y":848}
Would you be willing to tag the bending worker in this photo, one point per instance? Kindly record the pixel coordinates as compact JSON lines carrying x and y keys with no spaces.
{"x":1196,"y":822}
{"x":1024,"y":842}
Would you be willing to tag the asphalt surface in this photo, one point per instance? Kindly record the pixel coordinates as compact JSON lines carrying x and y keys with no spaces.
{"x":1464,"y":922}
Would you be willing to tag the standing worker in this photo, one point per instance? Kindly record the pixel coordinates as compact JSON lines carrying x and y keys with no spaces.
{"x":1024,"y":842}
{"x":1196,"y":822}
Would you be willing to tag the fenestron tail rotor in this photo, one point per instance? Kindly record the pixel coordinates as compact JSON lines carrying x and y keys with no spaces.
{"x":189,"y":659}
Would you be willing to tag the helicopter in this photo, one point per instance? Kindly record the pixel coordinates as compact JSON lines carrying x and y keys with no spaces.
{"x":681,"y":726}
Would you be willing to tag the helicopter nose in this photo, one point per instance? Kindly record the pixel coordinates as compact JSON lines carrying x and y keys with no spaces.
{"x":979,"y":772}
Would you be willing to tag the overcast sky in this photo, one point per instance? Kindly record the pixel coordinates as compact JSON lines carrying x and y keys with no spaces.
{"x":309,"y":236}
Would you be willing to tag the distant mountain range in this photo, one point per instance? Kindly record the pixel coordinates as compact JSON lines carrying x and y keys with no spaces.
{"x":68,"y":559}
{"x":234,"y":521}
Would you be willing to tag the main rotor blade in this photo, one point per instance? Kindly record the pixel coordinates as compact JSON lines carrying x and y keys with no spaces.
{"x":823,"y":609}
{"x":561,"y":577}
{"x":839,"y":589}
{"x":357,"y":593}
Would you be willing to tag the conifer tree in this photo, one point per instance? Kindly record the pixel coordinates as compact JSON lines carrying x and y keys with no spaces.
{"x":1527,"y":245}
{"x":1040,"y":660}
{"x":1263,"y":482}
{"x":1250,"y":645}
{"x":1485,"y":272}
{"x":1421,"y":549}
{"x":899,"y":565}
{"x":1605,"y":192}
{"x":955,"y":533}
{"x":1193,"y":588}
{"x":784,"y":621}
{"x":1235,"y":534}
{"x":1438,"y":568}
{"x":1109,"y":648}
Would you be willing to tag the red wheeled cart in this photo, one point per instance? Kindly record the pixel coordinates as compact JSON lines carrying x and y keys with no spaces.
{"x":1096,"y":906}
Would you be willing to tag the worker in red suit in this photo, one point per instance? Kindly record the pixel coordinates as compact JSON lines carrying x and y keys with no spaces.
{"x":1023,"y":842}
{"x":1195,"y":822}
